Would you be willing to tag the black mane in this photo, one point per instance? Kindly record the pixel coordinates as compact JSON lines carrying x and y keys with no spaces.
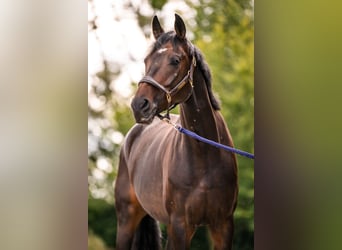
{"x":204,"y":68}
{"x":200,"y":62}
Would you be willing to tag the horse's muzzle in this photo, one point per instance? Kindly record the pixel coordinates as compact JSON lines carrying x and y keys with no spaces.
{"x":143,"y":110}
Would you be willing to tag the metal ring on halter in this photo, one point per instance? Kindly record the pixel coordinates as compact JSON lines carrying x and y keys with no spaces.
{"x":168,"y":97}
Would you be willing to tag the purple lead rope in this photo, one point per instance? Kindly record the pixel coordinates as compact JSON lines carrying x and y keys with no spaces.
{"x":213,"y":143}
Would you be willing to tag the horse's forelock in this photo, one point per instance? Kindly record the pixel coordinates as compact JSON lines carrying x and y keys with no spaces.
{"x":169,"y":37}
{"x":162,"y":40}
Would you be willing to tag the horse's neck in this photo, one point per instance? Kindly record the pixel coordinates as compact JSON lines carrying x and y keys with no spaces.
{"x":197,"y":113}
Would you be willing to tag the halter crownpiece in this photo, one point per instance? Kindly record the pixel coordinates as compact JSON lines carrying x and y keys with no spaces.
{"x":169,"y":93}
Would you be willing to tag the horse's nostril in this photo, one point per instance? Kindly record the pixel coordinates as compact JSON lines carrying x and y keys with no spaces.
{"x":143,"y":110}
{"x":144,"y":104}
{"x":141,"y":104}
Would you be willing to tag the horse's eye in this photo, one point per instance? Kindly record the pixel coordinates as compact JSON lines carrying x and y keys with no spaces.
{"x":175,"y":61}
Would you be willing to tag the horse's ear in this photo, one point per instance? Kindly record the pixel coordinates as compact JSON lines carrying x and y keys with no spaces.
{"x":180,"y":27}
{"x":156,"y":28}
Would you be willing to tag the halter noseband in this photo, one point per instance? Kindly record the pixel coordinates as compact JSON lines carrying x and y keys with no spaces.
{"x":169,"y":93}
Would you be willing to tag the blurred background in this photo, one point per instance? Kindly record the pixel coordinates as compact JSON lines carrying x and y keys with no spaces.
{"x":119,"y":34}
{"x":48,"y":175}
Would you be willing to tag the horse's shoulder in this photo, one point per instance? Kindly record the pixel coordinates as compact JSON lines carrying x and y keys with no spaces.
{"x":133,"y":133}
{"x":130,"y":137}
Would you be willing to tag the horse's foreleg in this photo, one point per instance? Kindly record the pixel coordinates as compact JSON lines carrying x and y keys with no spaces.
{"x":128,"y":210}
{"x":129,"y":215}
{"x":125,"y":233}
{"x":222,"y":234}
{"x":179,"y":235}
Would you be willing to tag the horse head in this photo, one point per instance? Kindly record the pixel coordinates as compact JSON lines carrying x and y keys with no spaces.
{"x":168,"y":73}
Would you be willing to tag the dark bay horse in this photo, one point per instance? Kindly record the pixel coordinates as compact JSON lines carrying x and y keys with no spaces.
{"x":164,"y":175}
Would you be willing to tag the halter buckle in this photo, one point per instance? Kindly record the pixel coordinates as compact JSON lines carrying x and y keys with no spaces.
{"x":168,"y":97}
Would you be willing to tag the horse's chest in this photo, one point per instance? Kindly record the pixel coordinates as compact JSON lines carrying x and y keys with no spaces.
{"x":203,"y":201}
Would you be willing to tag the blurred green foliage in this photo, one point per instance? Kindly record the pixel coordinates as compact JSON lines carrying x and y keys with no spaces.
{"x":158,"y":4}
{"x":102,"y":220}
{"x":95,"y":242}
{"x":224,"y":32}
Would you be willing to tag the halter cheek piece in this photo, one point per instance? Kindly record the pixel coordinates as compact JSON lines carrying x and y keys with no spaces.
{"x":170,"y":93}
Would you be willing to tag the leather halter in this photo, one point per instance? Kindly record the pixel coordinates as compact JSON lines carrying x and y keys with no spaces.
{"x":170,"y":93}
